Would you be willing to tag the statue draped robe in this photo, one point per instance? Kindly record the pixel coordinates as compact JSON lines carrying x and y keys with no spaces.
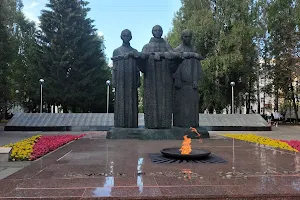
{"x":186,"y":98}
{"x":126,"y":80}
{"x":158,"y":83}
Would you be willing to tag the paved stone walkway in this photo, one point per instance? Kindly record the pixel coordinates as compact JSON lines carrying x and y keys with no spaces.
{"x":6,"y":137}
{"x":96,"y":168}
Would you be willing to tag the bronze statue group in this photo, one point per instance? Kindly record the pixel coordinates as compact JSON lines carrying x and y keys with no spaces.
{"x":171,"y":79}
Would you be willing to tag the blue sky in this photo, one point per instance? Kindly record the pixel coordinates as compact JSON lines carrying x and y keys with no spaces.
{"x":112,"y":16}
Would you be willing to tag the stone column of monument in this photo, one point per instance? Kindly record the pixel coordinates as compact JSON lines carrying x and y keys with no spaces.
{"x":158,"y":82}
{"x":126,"y":80}
{"x":186,"y":94}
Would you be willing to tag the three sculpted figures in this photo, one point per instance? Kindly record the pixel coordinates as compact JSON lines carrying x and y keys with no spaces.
{"x":170,"y":82}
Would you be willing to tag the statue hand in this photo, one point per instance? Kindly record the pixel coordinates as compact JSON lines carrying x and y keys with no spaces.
{"x":156,"y":56}
{"x":198,"y":56}
{"x":137,"y":54}
{"x":195,"y":85}
{"x":168,"y":55}
{"x":178,"y":55}
{"x":186,"y":55}
{"x":126,"y":56}
{"x":144,"y":56}
{"x":177,"y":83}
{"x":131,"y":54}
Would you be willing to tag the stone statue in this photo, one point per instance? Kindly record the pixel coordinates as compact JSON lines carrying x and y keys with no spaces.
{"x":158,"y":82}
{"x":126,"y":80}
{"x":186,"y":95}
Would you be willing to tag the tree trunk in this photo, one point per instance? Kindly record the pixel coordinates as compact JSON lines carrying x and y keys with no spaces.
{"x":294,"y":102}
{"x":258,"y":95}
{"x":264,"y":108}
{"x":276,"y":98}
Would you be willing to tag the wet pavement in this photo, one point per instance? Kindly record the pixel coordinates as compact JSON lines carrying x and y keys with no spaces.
{"x":96,"y":168}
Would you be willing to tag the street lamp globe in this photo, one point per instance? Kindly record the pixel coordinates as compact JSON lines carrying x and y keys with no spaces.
{"x":108,"y":82}
{"x":42,"y":80}
{"x":232,"y":83}
{"x":247,"y":93}
{"x":17,"y":91}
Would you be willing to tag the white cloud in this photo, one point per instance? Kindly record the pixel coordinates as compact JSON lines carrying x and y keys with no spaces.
{"x":32,"y":10}
{"x":31,"y":16}
{"x":33,"y":4}
{"x":100,"y":33}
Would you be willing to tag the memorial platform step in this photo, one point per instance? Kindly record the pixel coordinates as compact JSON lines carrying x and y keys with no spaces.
{"x":105,"y":121}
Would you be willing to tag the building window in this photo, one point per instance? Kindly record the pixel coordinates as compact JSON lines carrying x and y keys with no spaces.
{"x":262,"y":100}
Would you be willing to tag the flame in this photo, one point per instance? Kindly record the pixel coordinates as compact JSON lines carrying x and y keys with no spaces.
{"x":186,"y":147}
{"x":198,"y":134}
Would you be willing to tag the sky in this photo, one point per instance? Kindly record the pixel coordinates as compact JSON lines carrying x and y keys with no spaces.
{"x":112,"y":16}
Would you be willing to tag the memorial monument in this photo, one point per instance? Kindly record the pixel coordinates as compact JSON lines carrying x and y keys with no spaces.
{"x":158,"y":68}
{"x":126,"y":80}
{"x":158,"y":62}
{"x":186,"y":94}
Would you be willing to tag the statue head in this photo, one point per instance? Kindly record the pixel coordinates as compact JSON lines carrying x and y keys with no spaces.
{"x":126,"y":36}
{"x":157,"y":31}
{"x":186,"y":36}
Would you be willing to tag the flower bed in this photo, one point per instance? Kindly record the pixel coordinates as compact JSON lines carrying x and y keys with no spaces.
{"x":293,"y":143}
{"x":265,"y":141}
{"x":46,"y":144}
{"x":37,"y":146}
{"x":262,"y":140}
{"x":22,"y":150}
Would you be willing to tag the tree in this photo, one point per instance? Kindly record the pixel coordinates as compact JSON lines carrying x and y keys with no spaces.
{"x":283,"y":17}
{"x":73,"y":60}
{"x":25,"y":72}
{"x":9,"y":10}
{"x":223,"y":34}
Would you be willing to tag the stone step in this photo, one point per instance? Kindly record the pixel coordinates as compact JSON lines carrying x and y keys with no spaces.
{"x":5,"y":154}
{"x":104,"y":122}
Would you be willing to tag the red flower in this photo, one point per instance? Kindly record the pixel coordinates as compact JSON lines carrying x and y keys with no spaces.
{"x":293,"y":143}
{"x":45,"y":144}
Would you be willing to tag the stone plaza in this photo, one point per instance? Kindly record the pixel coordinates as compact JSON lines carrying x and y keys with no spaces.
{"x":96,"y":168}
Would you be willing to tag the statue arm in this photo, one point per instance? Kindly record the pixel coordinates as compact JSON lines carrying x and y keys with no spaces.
{"x":169,"y":48}
{"x":116,"y":53}
{"x":142,"y":60}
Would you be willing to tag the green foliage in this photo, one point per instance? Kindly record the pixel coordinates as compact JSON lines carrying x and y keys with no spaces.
{"x":73,"y":60}
{"x":9,"y":12}
{"x":223,"y":33}
{"x":25,"y":71}
{"x":283,"y":25}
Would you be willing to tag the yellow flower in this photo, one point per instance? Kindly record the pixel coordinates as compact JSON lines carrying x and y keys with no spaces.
{"x":22,"y":150}
{"x":261,"y":140}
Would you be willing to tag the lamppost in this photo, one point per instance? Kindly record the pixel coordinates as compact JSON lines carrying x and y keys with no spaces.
{"x":232,"y":97}
{"x":17,"y":99}
{"x":41,"y":83}
{"x":247,"y":109}
{"x":107,"y":100}
{"x":297,"y":96}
